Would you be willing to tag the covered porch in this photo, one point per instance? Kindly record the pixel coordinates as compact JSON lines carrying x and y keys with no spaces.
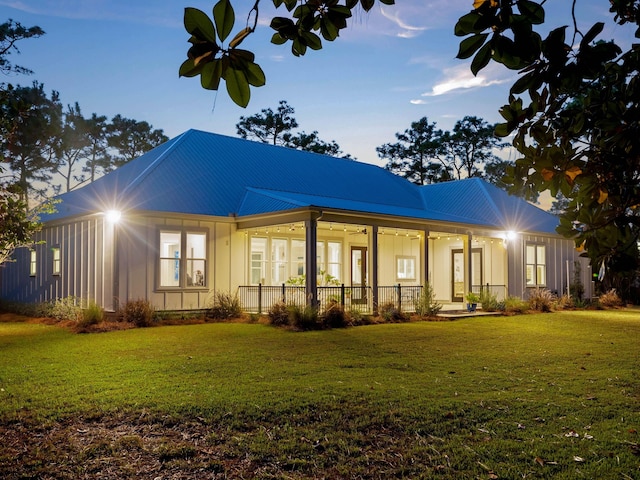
{"x":363,"y":263}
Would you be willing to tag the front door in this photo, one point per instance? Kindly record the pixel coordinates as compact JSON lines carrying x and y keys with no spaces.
{"x":358,"y":275}
{"x":457,"y":272}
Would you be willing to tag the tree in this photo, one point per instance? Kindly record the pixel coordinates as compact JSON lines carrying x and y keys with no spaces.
{"x":277,"y":128}
{"x":12,"y":32}
{"x":574,"y":111}
{"x":416,"y":154}
{"x":268,"y":126}
{"x":32,"y":121}
{"x":130,"y":139}
{"x":72,"y":145}
{"x":97,"y":155}
{"x":470,"y":146}
{"x":495,"y":171}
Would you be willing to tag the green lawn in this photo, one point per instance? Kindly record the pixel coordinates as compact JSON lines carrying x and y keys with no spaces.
{"x":532,"y":396}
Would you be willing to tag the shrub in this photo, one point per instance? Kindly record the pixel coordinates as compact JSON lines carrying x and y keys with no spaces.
{"x":334,"y":316}
{"x":225,"y":306}
{"x":541,"y":300}
{"x":62,"y":309}
{"x":139,"y":312}
{"x":489,"y":301}
{"x":576,"y":287}
{"x":278,"y":315}
{"x":610,"y":299}
{"x":304,"y":318}
{"x":564,"y":302}
{"x":389,"y":313}
{"x":515,"y":305}
{"x":91,"y":315}
{"x":425,"y":304}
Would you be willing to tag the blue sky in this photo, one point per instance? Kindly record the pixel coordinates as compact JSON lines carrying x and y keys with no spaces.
{"x":394,"y":66}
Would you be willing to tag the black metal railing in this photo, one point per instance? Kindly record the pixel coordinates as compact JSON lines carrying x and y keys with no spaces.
{"x":260,"y":298}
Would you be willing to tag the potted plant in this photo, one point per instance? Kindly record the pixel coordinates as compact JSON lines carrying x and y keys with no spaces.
{"x":472,"y":301}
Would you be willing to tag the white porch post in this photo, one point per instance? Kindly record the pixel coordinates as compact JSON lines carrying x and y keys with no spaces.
{"x":374,"y":268}
{"x":468,"y":263}
{"x":311,"y":250}
{"x":425,"y":254}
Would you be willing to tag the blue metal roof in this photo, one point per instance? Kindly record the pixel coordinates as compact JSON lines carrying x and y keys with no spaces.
{"x":209,"y":174}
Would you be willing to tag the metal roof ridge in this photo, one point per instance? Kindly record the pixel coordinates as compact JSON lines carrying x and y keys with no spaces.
{"x":272,"y":194}
{"x":483,"y":185}
{"x":142,"y":175}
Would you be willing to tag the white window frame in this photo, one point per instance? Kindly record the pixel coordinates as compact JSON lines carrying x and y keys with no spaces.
{"x":33,"y":263}
{"x":183,"y":260}
{"x":535,"y":267}
{"x":56,"y":260}
{"x":405,"y":268}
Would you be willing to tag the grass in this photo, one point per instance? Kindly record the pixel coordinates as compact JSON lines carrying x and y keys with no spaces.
{"x":531,"y":396}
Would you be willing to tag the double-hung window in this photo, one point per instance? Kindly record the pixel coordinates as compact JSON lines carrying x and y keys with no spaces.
{"x":536,"y":267}
{"x":33,"y":263}
{"x":183,"y":258}
{"x":56,"y":266}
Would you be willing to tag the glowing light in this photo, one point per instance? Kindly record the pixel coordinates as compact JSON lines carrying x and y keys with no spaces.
{"x":510,"y":235}
{"x":113,"y":216}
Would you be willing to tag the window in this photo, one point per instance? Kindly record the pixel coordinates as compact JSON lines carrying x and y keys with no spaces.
{"x":536,"y":270}
{"x":32,"y":262}
{"x":278,"y":261}
{"x":258,"y":260}
{"x":183,"y":259}
{"x":334,"y":259}
{"x":297,"y":258}
{"x":57,"y":261}
{"x":405,"y":268}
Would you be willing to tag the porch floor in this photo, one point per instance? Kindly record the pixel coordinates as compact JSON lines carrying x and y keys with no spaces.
{"x":457,"y":310}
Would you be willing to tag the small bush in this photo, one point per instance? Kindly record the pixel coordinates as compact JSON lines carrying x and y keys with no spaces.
{"x":541,"y":300}
{"x":92,"y":315}
{"x":225,"y":306}
{"x":389,"y":313}
{"x":564,"y":302}
{"x":279,"y":315}
{"x":334,"y":316}
{"x":610,"y":299}
{"x":304,"y":318}
{"x":139,"y":312}
{"x":489,"y":301}
{"x":515,"y":305}
{"x":425,"y":305}
{"x":62,"y":309}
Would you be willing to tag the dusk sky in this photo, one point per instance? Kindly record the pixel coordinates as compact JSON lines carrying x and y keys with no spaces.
{"x":392,"y":67}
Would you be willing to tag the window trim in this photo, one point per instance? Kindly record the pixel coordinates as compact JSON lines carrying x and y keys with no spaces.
{"x":183,"y":259}
{"x":56,"y":263}
{"x":33,"y":262}
{"x":405,"y":258}
{"x":535,"y":266}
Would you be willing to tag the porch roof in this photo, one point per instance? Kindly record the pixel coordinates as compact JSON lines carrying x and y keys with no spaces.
{"x":209,"y":174}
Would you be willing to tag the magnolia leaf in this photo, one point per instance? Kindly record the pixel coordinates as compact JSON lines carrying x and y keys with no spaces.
{"x":481,"y":59}
{"x":237,"y":40}
{"x":571,"y":173}
{"x":198,"y":24}
{"x":478,"y":3}
{"x":470,"y":45}
{"x":467,"y":24}
{"x":547,"y":174}
{"x":237,"y":86}
{"x":224,"y":17}
{"x":189,"y":68}
{"x":255,"y":75}
{"x":602,"y":197}
{"x":211,"y":74}
{"x":533,"y":11}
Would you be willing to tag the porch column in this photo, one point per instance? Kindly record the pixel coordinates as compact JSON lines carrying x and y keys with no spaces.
{"x":374,"y":268}
{"x":425,"y":255}
{"x":468,"y":263}
{"x":311,"y":250}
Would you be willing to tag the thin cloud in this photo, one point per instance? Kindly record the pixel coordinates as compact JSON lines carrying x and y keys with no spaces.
{"x":406,"y":30}
{"x":460,"y":78}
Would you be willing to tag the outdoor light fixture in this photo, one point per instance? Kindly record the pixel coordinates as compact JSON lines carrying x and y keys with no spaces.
{"x":510,"y":235}
{"x":113,"y":216}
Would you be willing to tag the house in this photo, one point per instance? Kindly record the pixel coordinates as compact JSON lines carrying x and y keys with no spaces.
{"x":205,"y":212}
